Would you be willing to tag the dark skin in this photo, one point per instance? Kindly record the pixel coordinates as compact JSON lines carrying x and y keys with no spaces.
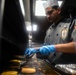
{"x":66,"y":48}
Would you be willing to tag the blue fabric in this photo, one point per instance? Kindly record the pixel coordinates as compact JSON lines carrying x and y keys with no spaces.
{"x":30,"y":51}
{"x":46,"y":50}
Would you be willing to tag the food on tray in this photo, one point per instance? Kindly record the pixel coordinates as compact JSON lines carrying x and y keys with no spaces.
{"x":10,"y":73}
{"x":28,"y":70}
{"x":15,"y":61}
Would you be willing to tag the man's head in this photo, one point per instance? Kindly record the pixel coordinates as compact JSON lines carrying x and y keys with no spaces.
{"x":52,"y":10}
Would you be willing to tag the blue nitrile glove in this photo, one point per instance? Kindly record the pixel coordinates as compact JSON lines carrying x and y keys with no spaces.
{"x":30,"y":51}
{"x":46,"y":50}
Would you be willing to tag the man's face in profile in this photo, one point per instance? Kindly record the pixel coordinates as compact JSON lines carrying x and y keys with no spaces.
{"x":52,"y":14}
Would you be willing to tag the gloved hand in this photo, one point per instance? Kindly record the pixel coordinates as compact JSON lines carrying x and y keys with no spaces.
{"x":45,"y":50}
{"x":30,"y":51}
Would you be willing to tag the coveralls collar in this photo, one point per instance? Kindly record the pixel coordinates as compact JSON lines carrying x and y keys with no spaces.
{"x":55,"y":24}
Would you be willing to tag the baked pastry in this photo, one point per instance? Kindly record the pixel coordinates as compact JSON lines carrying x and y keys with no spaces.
{"x":15,"y":61}
{"x":10,"y":73}
{"x":28,"y":70}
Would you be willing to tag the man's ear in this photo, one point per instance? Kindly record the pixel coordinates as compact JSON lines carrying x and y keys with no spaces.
{"x":59,"y":10}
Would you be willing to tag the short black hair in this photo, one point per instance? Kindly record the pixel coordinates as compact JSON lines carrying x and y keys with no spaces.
{"x":55,"y":7}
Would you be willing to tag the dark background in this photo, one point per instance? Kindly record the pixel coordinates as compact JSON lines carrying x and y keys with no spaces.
{"x":13,"y":35}
{"x":68,"y":7}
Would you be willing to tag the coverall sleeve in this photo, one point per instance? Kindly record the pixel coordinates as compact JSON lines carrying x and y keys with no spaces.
{"x":74,"y":32}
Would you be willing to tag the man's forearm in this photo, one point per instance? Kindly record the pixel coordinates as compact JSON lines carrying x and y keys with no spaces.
{"x":66,"y":48}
